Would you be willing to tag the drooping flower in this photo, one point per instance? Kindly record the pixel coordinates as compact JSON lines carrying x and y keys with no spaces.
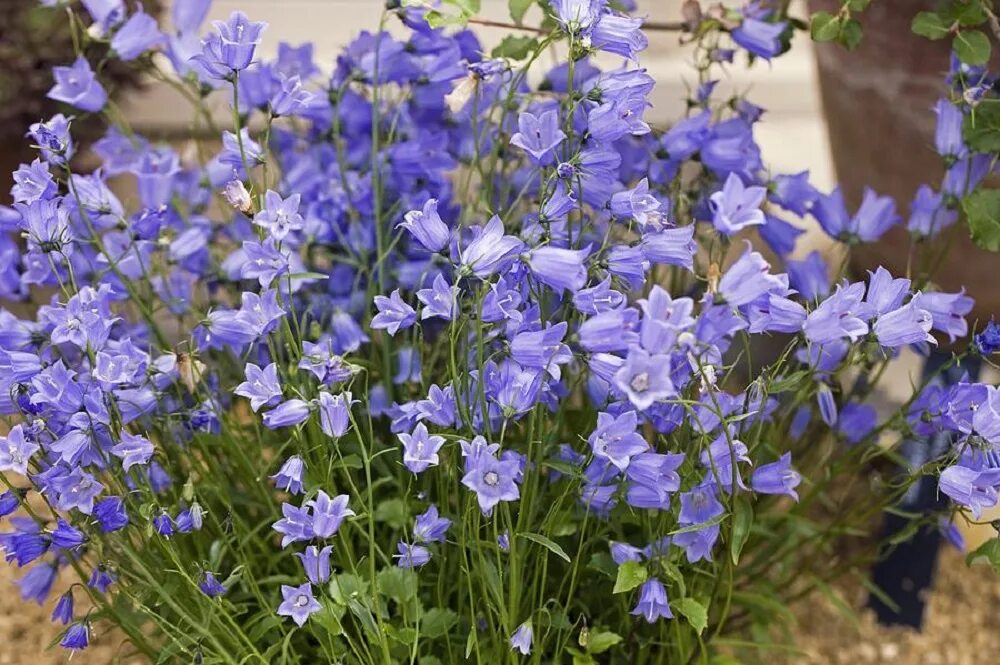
{"x":558,"y":268}
{"x":133,"y":450}
{"x":411,"y":556}
{"x":77,"y":637}
{"x":748,"y":279}
{"x":653,"y":602}
{"x":291,"y":475}
{"x":521,"y":640}
{"x":316,"y":563}
{"x":211,"y":586}
{"x":776,"y":478}
{"x":427,"y":226}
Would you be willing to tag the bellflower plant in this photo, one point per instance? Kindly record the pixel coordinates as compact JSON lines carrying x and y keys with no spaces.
{"x":432,"y":356}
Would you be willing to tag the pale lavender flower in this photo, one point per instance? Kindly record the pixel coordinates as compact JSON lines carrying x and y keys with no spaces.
{"x":298,"y":603}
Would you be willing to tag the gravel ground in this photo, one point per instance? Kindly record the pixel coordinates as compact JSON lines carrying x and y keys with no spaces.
{"x":960,"y":630}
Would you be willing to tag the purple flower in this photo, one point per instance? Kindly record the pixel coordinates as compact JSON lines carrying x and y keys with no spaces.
{"x":78,"y":86}
{"x":328,"y":514}
{"x":16,"y":451}
{"x":759,"y":37}
{"x":298,"y":603}
{"x":420,"y":449}
{"x":77,"y":637}
{"x":520,"y":641}
{"x":492,"y":480}
{"x":231,"y":48}
{"x":560,"y":269}
{"x":210,"y":586}
{"x":132,"y":450}
{"x":316,"y":563}
{"x":440,"y":300}
{"x":827,"y":405}
{"x":427,"y":227}
{"x":698,"y":544}
{"x":411,"y":556}
{"x":837,"y":316}
{"x":653,"y":603}
{"x":264,"y":262}
{"x":948,"y":131}
{"x":290,"y":98}
{"x":393,"y":314}
{"x":490,"y":250}
{"x":262,"y":387}
{"x":736,"y":206}
{"x":948,"y":312}
{"x":637,"y":204}
{"x":809,"y":276}
{"x":928,"y":213}
{"x":63,"y":611}
{"x":335,"y":412}
{"x":645,"y":378}
{"x":875,"y":216}
{"x":673,"y":246}
{"x":295,"y":525}
{"x":700,"y":504}
{"x":621,"y":35}
{"x":578,"y":15}
{"x":279,"y":216}
{"x":139,"y":34}
{"x":542,"y":349}
{"x":910,"y":324}
{"x":987,"y":342}
{"x":66,"y":535}
{"x":622,"y":552}
{"x":429,"y":527}
{"x":616,"y":440}
{"x":618,"y":118}
{"x":538,"y":135}
{"x":290,"y":475}
{"x":287,"y":414}
{"x":110,"y":514}
{"x":53,"y":139}
{"x":748,"y":279}
{"x":972,"y":488}
{"x":776,"y":478}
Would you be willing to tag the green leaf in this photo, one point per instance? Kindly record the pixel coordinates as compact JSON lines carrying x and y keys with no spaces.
{"x":437,"y":622}
{"x":518,"y":8}
{"x":694,"y":612}
{"x":930,"y":25}
{"x":601,"y":641}
{"x":982,"y":209}
{"x":516,"y":47}
{"x":392,"y":512}
{"x":824,"y":27}
{"x":673,"y":572}
{"x":630,"y":575}
{"x":470,"y":643}
{"x":328,"y":618}
{"x":858,"y":5}
{"x":972,"y":47}
{"x":988,"y":553}
{"x":850,"y":34}
{"x":742,"y":519}
{"x":547,"y":544}
{"x":982,"y":128}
